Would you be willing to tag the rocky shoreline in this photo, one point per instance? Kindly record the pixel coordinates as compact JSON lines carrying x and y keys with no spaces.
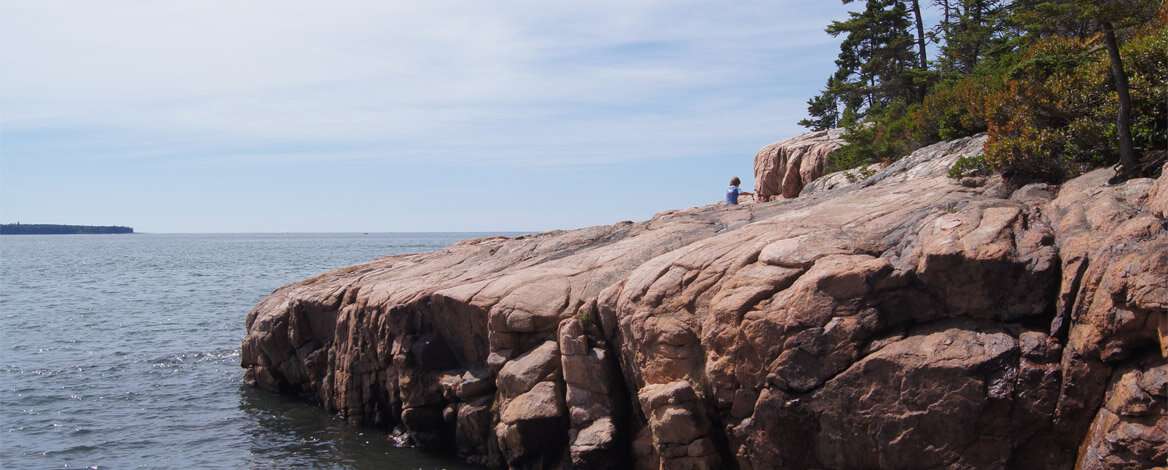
{"x":903,"y":320}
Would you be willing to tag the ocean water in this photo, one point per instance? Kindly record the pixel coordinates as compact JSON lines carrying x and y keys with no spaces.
{"x":122,"y":351}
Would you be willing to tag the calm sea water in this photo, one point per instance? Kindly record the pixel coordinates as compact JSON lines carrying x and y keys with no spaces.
{"x":122,"y":351}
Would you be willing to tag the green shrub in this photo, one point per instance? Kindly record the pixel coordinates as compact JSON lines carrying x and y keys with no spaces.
{"x":969,"y":166}
{"x":956,"y":108}
{"x":1048,"y":107}
{"x":1046,"y":95}
{"x":953,"y":109}
{"x":1055,"y":118}
{"x":885,"y":135}
{"x":1147,"y":66}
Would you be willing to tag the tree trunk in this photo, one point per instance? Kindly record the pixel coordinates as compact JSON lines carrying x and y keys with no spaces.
{"x":916,"y":4}
{"x":946,"y":34}
{"x":978,"y":8}
{"x":945,"y":28}
{"x":871,"y":98}
{"x":1127,"y":154}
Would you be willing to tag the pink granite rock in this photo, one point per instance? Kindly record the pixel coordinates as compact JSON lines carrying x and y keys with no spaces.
{"x":904,"y":320}
{"x":785,"y":167}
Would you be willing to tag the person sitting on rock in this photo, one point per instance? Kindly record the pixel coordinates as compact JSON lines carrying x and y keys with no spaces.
{"x":733,"y":193}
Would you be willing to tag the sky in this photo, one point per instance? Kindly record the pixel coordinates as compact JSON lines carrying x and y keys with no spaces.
{"x":378,"y":116}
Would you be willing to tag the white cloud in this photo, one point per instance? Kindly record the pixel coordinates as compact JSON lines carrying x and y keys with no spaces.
{"x":511,"y":82}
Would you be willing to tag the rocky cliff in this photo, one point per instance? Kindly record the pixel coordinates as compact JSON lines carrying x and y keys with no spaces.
{"x":784,"y":168}
{"x":900,"y":321}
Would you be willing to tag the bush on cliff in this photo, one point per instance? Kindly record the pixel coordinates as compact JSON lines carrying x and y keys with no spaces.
{"x":1055,"y":118}
{"x":1040,"y":85}
{"x":954,"y":108}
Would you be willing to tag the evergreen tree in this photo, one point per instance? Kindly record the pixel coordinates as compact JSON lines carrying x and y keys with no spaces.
{"x":1046,"y":18}
{"x":873,"y":67}
{"x":823,"y":109}
{"x":1048,"y":80}
{"x":947,"y":13}
{"x":972,"y":30}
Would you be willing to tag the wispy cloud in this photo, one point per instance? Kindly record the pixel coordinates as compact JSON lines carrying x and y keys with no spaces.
{"x":458,"y":82}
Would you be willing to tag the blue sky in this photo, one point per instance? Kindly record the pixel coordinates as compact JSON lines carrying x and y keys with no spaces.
{"x":293,"y":116}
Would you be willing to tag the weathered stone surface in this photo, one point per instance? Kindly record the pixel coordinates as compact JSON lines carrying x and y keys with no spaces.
{"x":596,"y":446}
{"x":1131,"y":428}
{"x":938,"y":398}
{"x":1113,"y":295}
{"x":473,"y":437}
{"x":520,"y":375}
{"x":841,"y":179}
{"x":473,"y":384}
{"x":1158,"y":195}
{"x":543,"y":401}
{"x":594,"y":396}
{"x":679,"y":425}
{"x":373,"y":340}
{"x":785,"y":167}
{"x":902,"y":320}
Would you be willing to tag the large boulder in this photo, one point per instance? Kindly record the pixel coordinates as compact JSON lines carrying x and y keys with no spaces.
{"x":940,"y":397}
{"x":783,"y":168}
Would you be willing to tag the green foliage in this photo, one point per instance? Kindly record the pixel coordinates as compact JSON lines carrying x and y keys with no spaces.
{"x":1055,"y":118}
{"x":1032,"y":74}
{"x":823,"y":110}
{"x":969,"y":166}
{"x":874,"y":67}
{"x":1078,"y":18}
{"x":1030,"y":119}
{"x":1147,"y":66}
{"x":953,"y":109}
{"x":972,"y":32}
{"x":1044,"y":18}
{"x":585,"y":318}
{"x":888,"y":133}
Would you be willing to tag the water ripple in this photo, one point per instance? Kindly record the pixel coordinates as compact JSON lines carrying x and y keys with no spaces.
{"x":123,"y":352}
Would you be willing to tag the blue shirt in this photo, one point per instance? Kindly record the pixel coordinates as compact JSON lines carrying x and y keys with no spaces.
{"x":732,"y":195}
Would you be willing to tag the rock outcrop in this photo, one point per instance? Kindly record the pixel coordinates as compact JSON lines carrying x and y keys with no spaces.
{"x":783,"y":168}
{"x":898,"y":320}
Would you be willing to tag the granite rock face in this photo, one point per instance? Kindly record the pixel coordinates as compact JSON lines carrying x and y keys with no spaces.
{"x":901,"y":320}
{"x":783,"y":168}
{"x":473,"y":346}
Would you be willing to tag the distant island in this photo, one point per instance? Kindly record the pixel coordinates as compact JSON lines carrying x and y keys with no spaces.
{"x":54,"y":229}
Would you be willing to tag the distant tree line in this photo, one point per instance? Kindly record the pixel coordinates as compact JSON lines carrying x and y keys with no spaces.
{"x":52,"y":229}
{"x":1060,"y":86}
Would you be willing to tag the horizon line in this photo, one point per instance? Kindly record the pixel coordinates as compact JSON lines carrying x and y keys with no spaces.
{"x":136,"y":232}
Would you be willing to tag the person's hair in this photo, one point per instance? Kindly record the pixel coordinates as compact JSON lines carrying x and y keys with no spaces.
{"x":735,"y":181}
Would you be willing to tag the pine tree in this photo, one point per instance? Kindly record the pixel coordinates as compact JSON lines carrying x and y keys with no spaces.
{"x":873,"y":67}
{"x":972,"y":30}
{"x":823,"y":109}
